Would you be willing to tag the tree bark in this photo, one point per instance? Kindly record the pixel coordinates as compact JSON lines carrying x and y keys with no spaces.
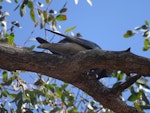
{"x":70,"y":69}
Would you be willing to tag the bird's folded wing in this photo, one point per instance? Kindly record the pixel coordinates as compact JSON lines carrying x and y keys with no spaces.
{"x":62,"y":48}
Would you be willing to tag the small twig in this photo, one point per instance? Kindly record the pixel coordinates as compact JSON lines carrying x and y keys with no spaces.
{"x":120,"y":88}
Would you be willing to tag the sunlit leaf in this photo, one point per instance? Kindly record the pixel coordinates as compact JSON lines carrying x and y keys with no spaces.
{"x":45,"y":16}
{"x":51,"y":18}
{"x":137,"y":105}
{"x":61,"y":17}
{"x":10,"y":39}
{"x":129,"y":33}
{"x":5,"y":93}
{"x":30,"y":5}
{"x":12,"y":95}
{"x":48,"y":1}
{"x":9,"y":80}
{"x":32,"y":15}
{"x":50,"y":87}
{"x":146,"y":44}
{"x":5,"y":76}
{"x":70,"y":29}
{"x":146,"y":22}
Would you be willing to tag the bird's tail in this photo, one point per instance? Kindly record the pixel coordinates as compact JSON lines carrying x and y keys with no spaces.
{"x":57,"y":33}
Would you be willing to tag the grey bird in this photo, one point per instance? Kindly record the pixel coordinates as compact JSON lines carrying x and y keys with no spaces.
{"x":68,"y":46}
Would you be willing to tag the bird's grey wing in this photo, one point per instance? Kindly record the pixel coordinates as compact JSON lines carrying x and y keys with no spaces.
{"x":62,"y":48}
{"x":85,"y":43}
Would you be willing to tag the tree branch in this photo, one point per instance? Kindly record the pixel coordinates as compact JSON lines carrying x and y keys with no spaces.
{"x":121,"y":87}
{"x":70,"y":68}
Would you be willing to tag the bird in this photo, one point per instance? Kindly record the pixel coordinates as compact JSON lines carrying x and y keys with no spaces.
{"x":68,"y":46}
{"x":71,"y":45}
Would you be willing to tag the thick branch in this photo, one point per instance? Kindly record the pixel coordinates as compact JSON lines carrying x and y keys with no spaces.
{"x":70,"y":69}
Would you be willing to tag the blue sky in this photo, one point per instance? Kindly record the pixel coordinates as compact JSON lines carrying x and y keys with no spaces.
{"x":104,"y":23}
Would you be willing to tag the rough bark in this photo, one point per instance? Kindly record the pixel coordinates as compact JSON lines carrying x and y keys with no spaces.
{"x":70,"y":69}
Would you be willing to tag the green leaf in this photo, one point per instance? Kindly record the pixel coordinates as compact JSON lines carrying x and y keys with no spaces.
{"x":137,"y":105}
{"x":134,"y":96}
{"x":58,"y":92}
{"x":64,"y":86}
{"x":18,"y":97}
{"x":129,"y":33}
{"x":61,"y":17}
{"x":16,"y":1}
{"x":30,"y":4}
{"x":32,"y":15}
{"x":147,"y":22}
{"x":50,"y":87}
{"x":10,"y":39}
{"x":48,"y":1}
{"x":5,"y":93}
{"x":12,"y":95}
{"x":51,"y":18}
{"x":5,"y":76}
{"x":32,"y":96}
{"x":9,"y":81}
{"x":146,"y":44}
{"x":70,"y":29}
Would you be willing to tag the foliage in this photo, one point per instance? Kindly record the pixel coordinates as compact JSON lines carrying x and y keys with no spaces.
{"x":145,"y":31}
